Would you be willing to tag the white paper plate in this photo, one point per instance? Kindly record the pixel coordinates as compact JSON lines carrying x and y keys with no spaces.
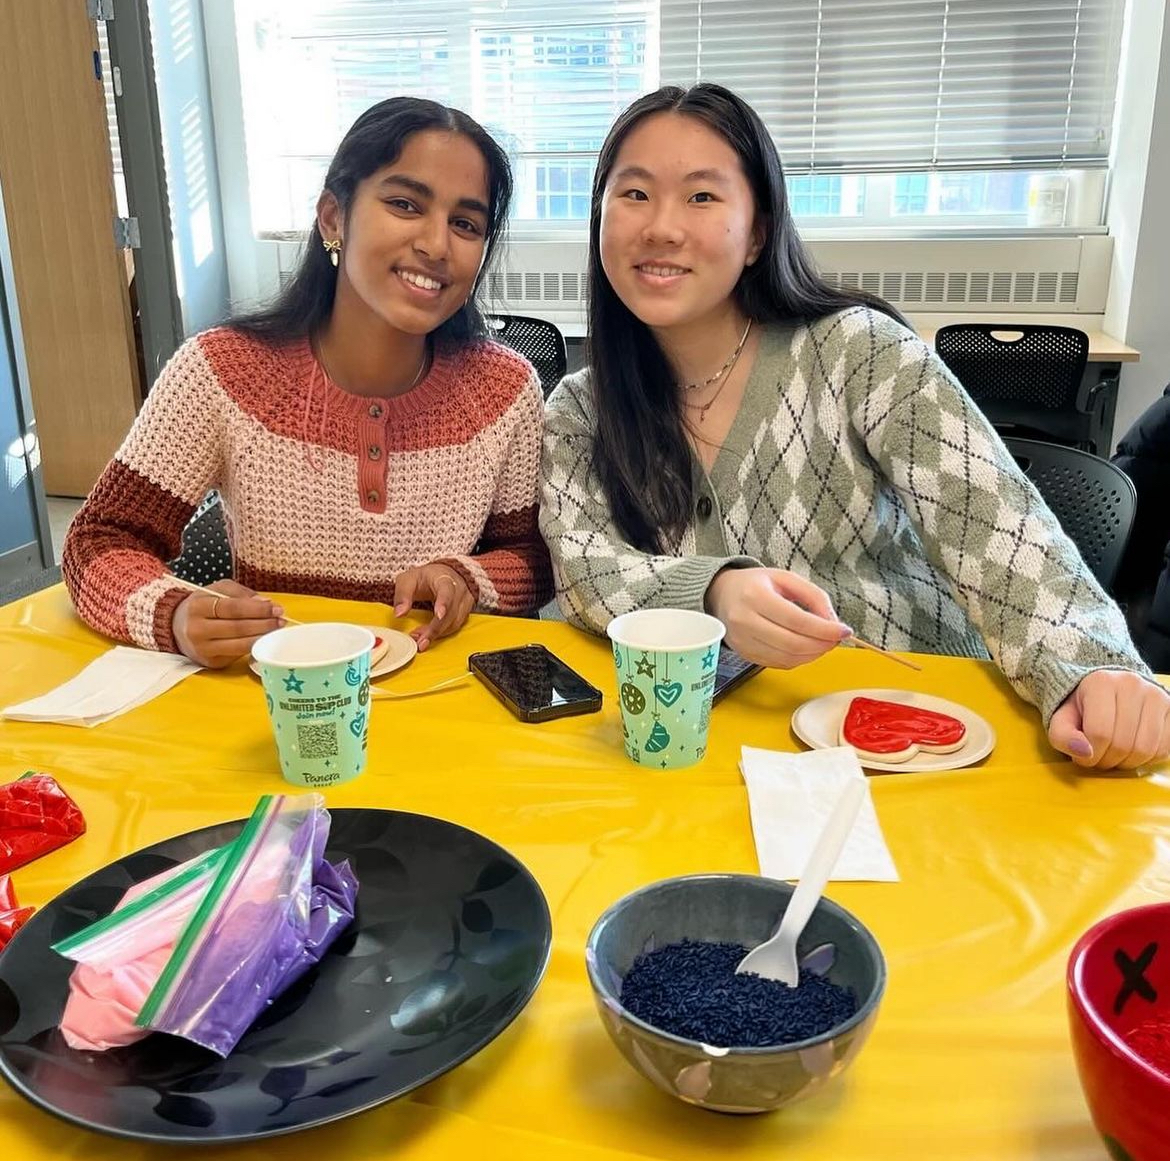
{"x":394,"y":651}
{"x":817,"y":723}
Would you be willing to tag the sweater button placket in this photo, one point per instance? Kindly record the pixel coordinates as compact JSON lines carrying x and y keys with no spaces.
{"x":374,"y":438}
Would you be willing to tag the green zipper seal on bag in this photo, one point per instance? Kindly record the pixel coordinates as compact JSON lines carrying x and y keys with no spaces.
{"x":196,"y":925}
{"x":124,"y":914}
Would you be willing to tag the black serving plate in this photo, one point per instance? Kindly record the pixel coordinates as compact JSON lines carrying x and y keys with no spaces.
{"x":450,"y":940}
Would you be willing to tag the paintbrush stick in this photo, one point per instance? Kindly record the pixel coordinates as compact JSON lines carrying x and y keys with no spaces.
{"x":376,"y":692}
{"x":193,"y":587}
{"x":858,"y":642}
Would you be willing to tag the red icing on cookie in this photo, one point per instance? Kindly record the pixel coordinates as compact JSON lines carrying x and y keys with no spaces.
{"x":888,"y":727}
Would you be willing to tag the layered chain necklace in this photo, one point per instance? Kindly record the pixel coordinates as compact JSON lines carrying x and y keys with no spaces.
{"x":723,"y":373}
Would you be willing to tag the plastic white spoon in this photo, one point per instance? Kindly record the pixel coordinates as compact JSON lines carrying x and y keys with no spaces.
{"x":775,"y":959}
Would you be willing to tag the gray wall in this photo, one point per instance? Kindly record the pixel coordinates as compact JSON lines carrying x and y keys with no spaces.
{"x":1139,"y":284}
{"x":24,"y":529}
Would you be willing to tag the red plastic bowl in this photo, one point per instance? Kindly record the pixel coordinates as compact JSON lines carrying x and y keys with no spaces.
{"x":1118,"y":979}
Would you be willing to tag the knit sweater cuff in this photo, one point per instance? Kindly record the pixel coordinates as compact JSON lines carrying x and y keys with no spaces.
{"x":708,"y":574}
{"x":1060,"y":679}
{"x":164,"y":619}
{"x":681,"y":585}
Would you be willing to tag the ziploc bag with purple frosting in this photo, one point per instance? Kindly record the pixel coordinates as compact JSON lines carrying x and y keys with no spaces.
{"x":260,"y":912}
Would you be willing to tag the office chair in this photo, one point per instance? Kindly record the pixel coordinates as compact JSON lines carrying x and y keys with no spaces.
{"x":1028,"y":386}
{"x":540,"y":342}
{"x":1093,"y":499}
{"x":206,"y":555}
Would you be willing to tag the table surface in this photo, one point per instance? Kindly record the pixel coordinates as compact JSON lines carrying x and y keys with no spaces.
{"x":1003,"y":866}
{"x":1103,"y":348}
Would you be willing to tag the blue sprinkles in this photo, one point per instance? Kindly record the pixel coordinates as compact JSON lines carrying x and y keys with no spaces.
{"x":690,"y":989}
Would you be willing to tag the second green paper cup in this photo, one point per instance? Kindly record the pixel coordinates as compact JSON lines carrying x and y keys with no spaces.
{"x":666,"y":661}
{"x":316,"y":681}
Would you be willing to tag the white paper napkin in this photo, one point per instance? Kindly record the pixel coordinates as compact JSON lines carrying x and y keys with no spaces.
{"x":791,"y":796}
{"x":119,"y":680}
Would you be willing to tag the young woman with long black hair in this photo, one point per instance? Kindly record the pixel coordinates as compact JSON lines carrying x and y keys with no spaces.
{"x":791,"y":458}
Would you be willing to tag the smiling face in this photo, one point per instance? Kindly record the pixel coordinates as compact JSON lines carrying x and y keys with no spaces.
{"x":414,"y":239}
{"x":678,"y":223}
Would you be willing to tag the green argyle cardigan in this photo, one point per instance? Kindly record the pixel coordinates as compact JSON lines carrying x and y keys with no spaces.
{"x":857,"y":461}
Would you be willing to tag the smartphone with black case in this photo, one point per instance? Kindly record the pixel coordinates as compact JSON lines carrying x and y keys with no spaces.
{"x":731,"y":671}
{"x":535,"y":684}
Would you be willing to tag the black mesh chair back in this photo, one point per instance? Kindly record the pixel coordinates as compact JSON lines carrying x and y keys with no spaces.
{"x":206,"y":555}
{"x":1093,"y":499}
{"x":540,"y":342}
{"x":1043,"y":367}
{"x":1028,"y":379}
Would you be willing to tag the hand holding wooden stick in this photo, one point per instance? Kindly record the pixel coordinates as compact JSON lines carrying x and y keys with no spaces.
{"x":193,"y":587}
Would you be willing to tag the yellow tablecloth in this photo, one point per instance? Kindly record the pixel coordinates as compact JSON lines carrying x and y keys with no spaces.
{"x":1003,"y":866}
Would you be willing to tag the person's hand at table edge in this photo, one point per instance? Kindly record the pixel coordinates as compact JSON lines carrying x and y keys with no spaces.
{"x":1113,"y":720}
{"x":217,"y":630}
{"x":448,"y":593}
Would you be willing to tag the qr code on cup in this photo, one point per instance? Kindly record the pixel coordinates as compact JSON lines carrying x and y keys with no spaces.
{"x":317,"y":741}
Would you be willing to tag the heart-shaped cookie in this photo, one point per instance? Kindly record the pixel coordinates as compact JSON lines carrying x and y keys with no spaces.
{"x":890,"y":731}
{"x":381,"y":645}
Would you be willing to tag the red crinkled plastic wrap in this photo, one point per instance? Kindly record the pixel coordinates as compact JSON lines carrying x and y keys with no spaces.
{"x":36,"y":816}
{"x":11,"y":916}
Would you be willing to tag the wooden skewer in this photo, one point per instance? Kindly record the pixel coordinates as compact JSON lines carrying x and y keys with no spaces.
{"x":193,"y":587}
{"x":857,"y":642}
{"x":376,"y":692}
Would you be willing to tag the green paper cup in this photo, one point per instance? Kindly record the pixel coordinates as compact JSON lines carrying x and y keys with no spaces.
{"x":316,"y":681}
{"x":666,"y":661}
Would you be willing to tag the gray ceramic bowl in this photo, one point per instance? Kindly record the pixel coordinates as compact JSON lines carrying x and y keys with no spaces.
{"x":741,"y":909}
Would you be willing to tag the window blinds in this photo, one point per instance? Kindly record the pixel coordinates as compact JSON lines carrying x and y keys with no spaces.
{"x":845,"y":86}
{"x":883,"y":85}
{"x":545,"y":77}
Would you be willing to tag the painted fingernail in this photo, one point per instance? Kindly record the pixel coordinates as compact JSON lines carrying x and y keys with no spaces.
{"x":400,"y":609}
{"x":1081,"y":747}
{"x":277,"y":611}
{"x":846,"y":631}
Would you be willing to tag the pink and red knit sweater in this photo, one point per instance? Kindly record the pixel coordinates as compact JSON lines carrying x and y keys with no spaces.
{"x":324,"y":492}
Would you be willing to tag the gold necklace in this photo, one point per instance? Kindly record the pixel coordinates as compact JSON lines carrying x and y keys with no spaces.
{"x":421,"y":367}
{"x":728,"y":367}
{"x":722,"y":370}
{"x":413,"y":383}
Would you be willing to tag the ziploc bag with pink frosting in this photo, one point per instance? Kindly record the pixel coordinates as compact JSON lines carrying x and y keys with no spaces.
{"x":119,"y":958}
{"x":202,"y":949}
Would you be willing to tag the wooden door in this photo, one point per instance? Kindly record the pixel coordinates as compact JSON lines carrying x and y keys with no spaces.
{"x":57,"y":176}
